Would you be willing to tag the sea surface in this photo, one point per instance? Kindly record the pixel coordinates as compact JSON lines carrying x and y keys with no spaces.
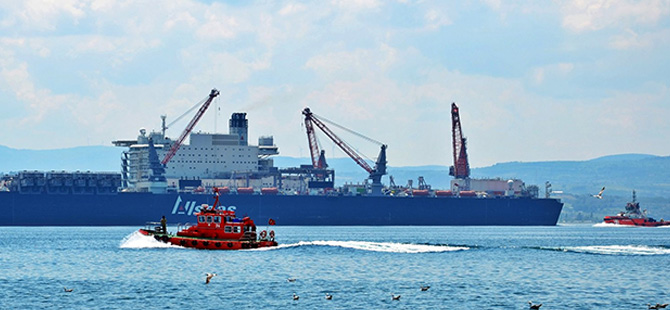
{"x":562,"y":267}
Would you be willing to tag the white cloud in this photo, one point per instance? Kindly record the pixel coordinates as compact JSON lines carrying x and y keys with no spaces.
{"x":292,"y":8}
{"x":591,"y":15}
{"x":630,"y":39}
{"x":363,"y":64}
{"x":436,"y":19}
{"x":355,"y":5}
{"x":560,"y":70}
{"x":354,"y":64}
{"x":42,"y":15}
{"x":218,"y":27}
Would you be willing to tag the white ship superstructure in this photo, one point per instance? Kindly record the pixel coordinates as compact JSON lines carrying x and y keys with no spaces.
{"x":209,"y":158}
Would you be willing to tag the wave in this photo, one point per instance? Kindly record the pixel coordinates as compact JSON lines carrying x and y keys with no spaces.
{"x":136,"y":240}
{"x":615,"y":249}
{"x":389,"y":247}
{"x":603,"y":224}
{"x":625,"y":226}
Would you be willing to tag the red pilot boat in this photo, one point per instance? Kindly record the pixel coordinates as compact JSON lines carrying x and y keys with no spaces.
{"x":216,"y":230}
{"x":633,"y":216}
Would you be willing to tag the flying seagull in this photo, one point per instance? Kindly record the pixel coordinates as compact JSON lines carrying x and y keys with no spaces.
{"x":328,"y":296}
{"x":68,"y":289}
{"x":425,"y":288}
{"x":600,"y":194}
{"x":657,"y":306}
{"x":395,"y":297}
{"x":209,"y":277}
{"x":534,"y":307}
{"x":290,"y":280}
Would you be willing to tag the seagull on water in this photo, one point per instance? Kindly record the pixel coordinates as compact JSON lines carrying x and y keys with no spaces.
{"x":68,"y":290}
{"x":209,"y":277}
{"x":295,"y":297}
{"x":395,"y":297}
{"x":600,"y":194}
{"x":290,"y":280}
{"x":328,"y":296}
{"x":657,"y":306}
{"x":534,"y":307}
{"x":425,"y":288}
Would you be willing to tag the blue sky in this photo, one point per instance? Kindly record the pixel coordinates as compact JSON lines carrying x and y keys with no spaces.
{"x":536,"y":80}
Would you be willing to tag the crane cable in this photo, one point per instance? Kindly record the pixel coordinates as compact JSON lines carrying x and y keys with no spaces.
{"x":352,"y":132}
{"x":186,"y":113}
{"x":347,"y":129}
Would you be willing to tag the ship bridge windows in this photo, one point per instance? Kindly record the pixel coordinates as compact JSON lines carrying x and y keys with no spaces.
{"x":236,"y":229}
{"x":217,"y":219}
{"x":228,"y":229}
{"x":209,"y":219}
{"x":201,"y":219}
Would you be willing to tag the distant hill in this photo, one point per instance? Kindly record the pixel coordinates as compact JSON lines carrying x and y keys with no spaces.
{"x":649,"y":175}
{"x":620,"y":174}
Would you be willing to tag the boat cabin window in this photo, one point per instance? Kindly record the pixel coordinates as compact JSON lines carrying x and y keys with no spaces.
{"x":228,"y":229}
{"x":236,"y":229}
{"x":201,"y":219}
{"x":209,"y":219}
{"x":217,"y":219}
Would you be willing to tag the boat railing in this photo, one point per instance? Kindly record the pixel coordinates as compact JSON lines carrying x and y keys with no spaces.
{"x":181,"y":226}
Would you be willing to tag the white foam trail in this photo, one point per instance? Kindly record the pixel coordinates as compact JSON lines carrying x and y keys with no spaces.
{"x":389,"y":247}
{"x":619,"y":250}
{"x":136,"y":240}
{"x":603,"y":224}
{"x":626,"y":226}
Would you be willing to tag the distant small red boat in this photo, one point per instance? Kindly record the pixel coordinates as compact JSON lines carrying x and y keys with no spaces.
{"x":216,"y":229}
{"x":633,"y":216}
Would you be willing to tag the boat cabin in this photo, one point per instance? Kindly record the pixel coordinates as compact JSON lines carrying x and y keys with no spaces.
{"x":220,"y":224}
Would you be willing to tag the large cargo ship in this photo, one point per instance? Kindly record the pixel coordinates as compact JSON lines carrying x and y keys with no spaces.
{"x":176,"y":187}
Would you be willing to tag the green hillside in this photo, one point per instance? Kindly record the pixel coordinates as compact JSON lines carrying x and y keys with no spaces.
{"x":649,"y":175}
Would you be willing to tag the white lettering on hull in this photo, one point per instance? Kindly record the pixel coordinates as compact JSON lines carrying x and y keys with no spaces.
{"x":189,"y":208}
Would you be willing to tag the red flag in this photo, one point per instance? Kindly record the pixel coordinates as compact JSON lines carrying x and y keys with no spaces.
{"x":271,"y":222}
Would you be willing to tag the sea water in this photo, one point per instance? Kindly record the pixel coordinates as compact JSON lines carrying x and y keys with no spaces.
{"x":562,"y":267}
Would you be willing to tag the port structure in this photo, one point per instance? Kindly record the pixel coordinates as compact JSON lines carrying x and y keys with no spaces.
{"x":203,"y":108}
{"x":318,"y":156}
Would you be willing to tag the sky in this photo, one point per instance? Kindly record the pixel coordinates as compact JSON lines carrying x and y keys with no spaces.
{"x":534,"y":80}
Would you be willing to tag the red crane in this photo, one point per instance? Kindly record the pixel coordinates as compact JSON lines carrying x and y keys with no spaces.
{"x":318,"y":162}
{"x":461,"y":167}
{"x":175,"y":146}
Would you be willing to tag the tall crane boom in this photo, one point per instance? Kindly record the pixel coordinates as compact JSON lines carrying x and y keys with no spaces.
{"x":376,"y":173}
{"x":311,"y":138}
{"x":310,"y":120}
{"x":461,"y":167}
{"x":175,"y":146}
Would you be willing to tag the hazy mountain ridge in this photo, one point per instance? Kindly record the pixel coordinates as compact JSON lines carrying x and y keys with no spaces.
{"x":649,"y":175}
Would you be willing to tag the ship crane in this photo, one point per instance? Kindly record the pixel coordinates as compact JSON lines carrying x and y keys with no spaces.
{"x":318,"y":160}
{"x":461,"y":167}
{"x":175,"y":146}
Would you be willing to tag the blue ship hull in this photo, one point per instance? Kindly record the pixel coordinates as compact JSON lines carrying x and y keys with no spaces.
{"x":19,"y":209}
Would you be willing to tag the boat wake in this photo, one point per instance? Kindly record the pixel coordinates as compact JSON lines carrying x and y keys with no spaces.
{"x":603,"y":224}
{"x":136,"y":240}
{"x":389,"y":247}
{"x":615,"y":249}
